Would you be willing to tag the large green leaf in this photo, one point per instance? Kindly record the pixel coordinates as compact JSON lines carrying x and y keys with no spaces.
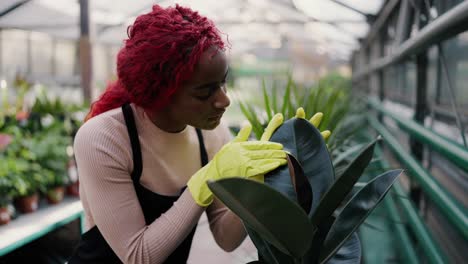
{"x":349,"y":253}
{"x":277,"y":219}
{"x":268,"y":253}
{"x":300,"y":183}
{"x":356,"y":211}
{"x":343,"y":185}
{"x":344,"y":155}
{"x":306,"y":144}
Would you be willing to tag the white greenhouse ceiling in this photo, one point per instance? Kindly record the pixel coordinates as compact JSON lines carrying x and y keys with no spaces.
{"x":331,"y":26}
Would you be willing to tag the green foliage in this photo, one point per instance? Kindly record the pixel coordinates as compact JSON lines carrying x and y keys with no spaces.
{"x":46,"y":105}
{"x":20,"y":169}
{"x":334,"y":216}
{"x":356,"y":211}
{"x":331,"y":96}
{"x":36,"y":159}
{"x":290,"y":230}
{"x":50,"y":152}
{"x":7,"y":189}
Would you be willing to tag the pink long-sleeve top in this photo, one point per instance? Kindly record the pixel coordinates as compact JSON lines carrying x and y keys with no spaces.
{"x":104,"y":158}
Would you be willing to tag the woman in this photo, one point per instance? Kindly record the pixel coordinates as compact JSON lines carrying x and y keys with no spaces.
{"x":143,"y":144}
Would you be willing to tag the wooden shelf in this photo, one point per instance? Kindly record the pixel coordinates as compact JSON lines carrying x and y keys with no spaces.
{"x":28,"y":227}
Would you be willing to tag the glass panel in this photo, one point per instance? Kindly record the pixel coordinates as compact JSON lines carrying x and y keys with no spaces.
{"x":443,"y":6}
{"x":432,"y":74}
{"x":41,"y":54}
{"x":65,"y":58}
{"x":389,"y":83}
{"x":400,"y":83}
{"x":100,"y":64}
{"x":389,"y":33}
{"x":456,"y":54}
{"x":14,"y":53}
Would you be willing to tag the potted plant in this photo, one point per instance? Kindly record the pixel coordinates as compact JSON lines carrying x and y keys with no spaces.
{"x":58,"y":124}
{"x":303,"y":214}
{"x":23,"y":170}
{"x":6,"y":191}
{"x":50,"y":153}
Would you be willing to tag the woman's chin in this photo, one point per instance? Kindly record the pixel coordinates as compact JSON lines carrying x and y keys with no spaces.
{"x":211,"y":124}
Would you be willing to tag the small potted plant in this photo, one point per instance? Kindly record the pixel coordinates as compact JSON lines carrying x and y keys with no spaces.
{"x":19,"y":172}
{"x":50,"y":151}
{"x":6,"y":185}
{"x":27,"y":182}
{"x":6,"y":192}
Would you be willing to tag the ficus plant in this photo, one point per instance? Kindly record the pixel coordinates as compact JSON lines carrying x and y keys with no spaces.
{"x":303,"y":213}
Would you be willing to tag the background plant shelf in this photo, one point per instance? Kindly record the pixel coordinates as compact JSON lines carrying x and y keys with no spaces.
{"x":29,"y":227}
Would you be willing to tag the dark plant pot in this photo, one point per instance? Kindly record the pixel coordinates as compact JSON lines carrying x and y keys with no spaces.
{"x":73,"y":189}
{"x":27,"y":204}
{"x":55,"y":195}
{"x":4,"y":216}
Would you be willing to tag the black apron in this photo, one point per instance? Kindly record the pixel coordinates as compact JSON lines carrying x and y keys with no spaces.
{"x":93,"y":248}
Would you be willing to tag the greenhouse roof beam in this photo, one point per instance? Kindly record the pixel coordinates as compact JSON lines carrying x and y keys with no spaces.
{"x":380,"y":22}
{"x":106,"y":27}
{"x":369,"y":17}
{"x":447,"y":25}
{"x":13,"y":7}
{"x":39,"y":26}
{"x":239,"y":22}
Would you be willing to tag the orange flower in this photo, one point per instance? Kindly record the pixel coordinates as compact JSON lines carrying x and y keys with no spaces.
{"x":22,"y":115}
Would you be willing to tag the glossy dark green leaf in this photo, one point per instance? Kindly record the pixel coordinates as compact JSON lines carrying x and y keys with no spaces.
{"x":349,"y":253}
{"x":267,"y":252}
{"x":343,"y":185}
{"x":306,"y":144}
{"x":344,"y":155}
{"x":300,"y":183}
{"x":356,"y":211}
{"x":277,"y":219}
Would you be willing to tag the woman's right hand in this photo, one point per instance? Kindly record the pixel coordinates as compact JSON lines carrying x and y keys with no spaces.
{"x":238,"y":158}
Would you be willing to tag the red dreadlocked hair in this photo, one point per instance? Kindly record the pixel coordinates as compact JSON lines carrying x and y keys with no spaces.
{"x":161,"y":51}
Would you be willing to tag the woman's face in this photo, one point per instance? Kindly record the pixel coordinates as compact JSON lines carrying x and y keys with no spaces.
{"x":202,"y":100}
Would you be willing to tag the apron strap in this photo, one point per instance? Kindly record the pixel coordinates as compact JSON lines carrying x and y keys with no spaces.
{"x":203,"y":154}
{"x":136,"y":148}
{"x":135,"y":142}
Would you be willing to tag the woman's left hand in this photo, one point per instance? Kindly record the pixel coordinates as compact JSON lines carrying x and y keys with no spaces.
{"x":276,"y":122}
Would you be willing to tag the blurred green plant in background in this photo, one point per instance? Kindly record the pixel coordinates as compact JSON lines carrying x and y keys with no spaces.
{"x":331,"y":95}
{"x":34,"y":158}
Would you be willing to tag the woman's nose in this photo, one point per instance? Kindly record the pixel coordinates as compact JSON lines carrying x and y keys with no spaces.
{"x":221,"y":98}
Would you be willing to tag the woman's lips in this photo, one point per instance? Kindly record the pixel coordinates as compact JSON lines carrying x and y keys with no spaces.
{"x":216,"y":116}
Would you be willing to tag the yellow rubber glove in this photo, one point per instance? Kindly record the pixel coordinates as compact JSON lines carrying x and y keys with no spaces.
{"x":315,"y":120}
{"x":277,"y":120}
{"x":238,"y":158}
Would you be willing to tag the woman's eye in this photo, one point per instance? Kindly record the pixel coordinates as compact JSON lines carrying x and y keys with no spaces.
{"x":203,"y":97}
{"x":208,"y":92}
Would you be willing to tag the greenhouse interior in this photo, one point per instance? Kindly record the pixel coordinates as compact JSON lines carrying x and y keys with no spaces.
{"x":357,"y":152}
